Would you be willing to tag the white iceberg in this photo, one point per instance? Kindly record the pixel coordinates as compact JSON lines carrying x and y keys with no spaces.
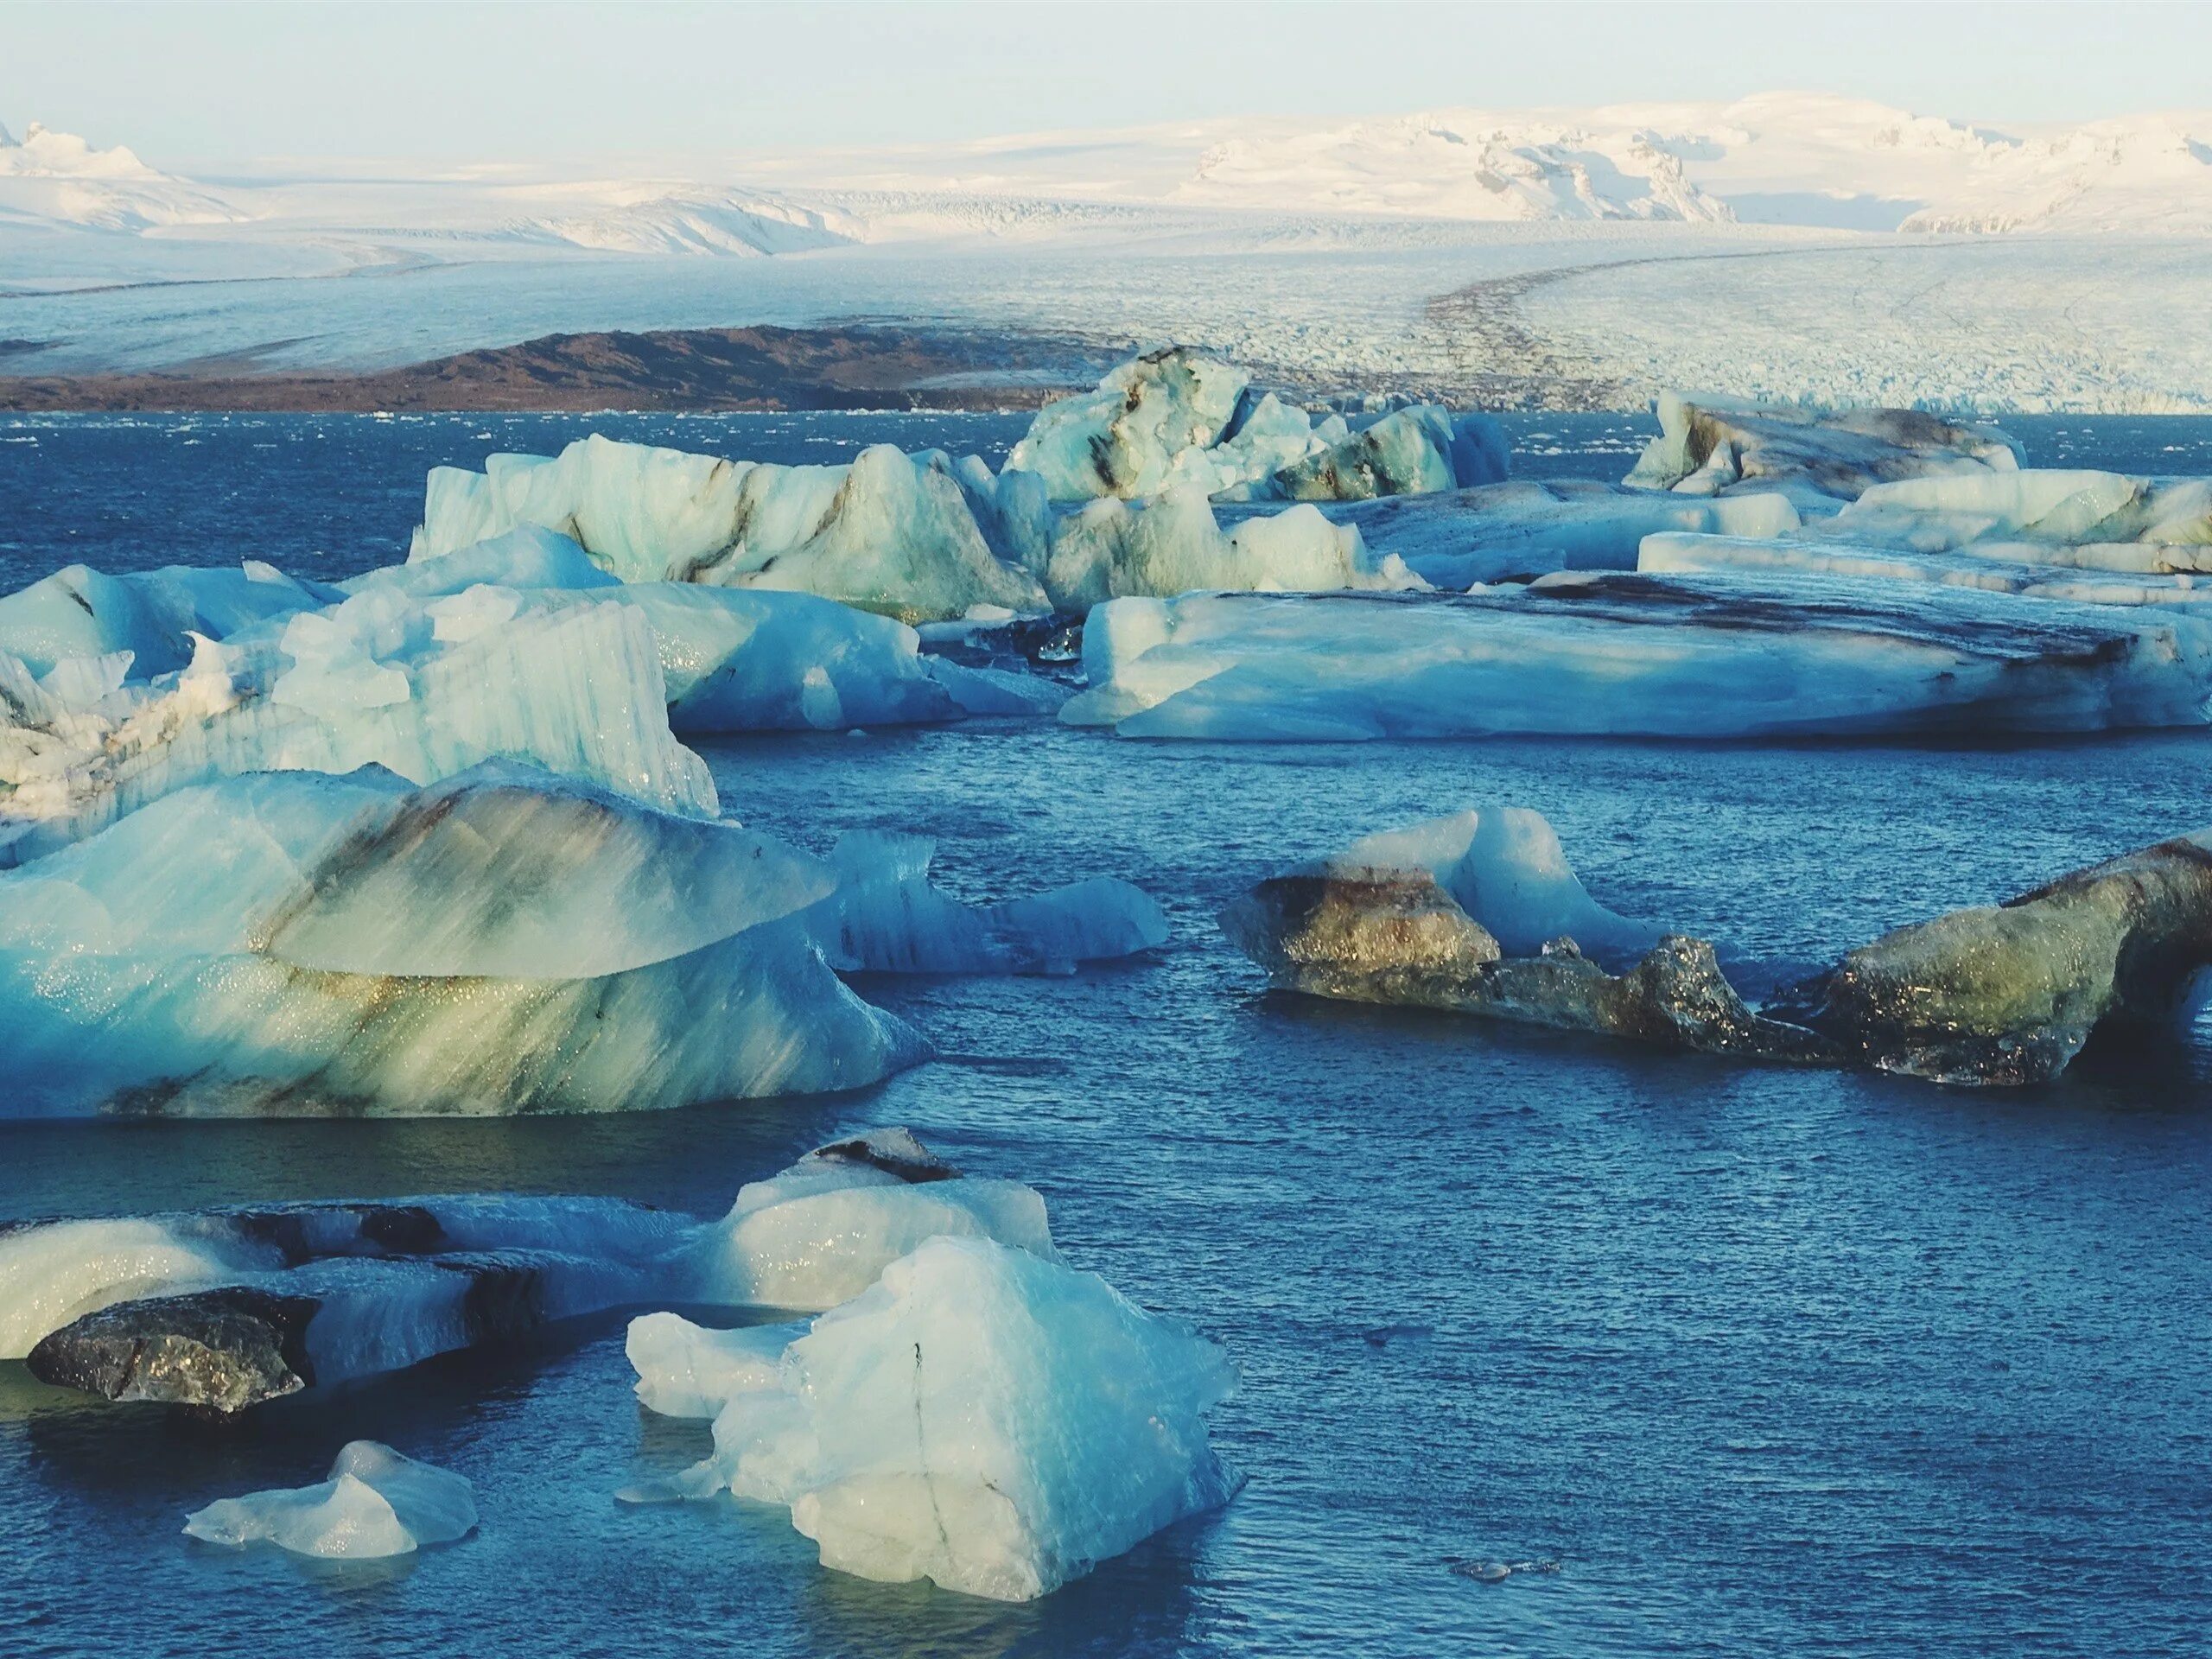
{"x":153,"y":614}
{"x":1819,"y":458}
{"x":888,"y":532}
{"x":694,"y":1371}
{"x":1175,"y":545}
{"x":1528,"y":528}
{"x":820,"y":1232}
{"x":376,"y":1504}
{"x":1124,"y":438}
{"x":2168,"y":520}
{"x":1629,"y":654}
{"x":984,"y":1417}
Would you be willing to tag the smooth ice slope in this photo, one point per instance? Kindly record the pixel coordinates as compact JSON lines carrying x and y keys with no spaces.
{"x":1637,"y":655}
{"x":376,"y":1504}
{"x":81,"y":612}
{"x":1983,"y":567}
{"x":982,"y":1417}
{"x":1714,"y":447}
{"x":888,"y":532}
{"x":2047,"y":506}
{"x":506,"y":941}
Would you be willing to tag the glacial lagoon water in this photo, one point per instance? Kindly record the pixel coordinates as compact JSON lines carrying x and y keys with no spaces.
{"x":1767,"y":1362}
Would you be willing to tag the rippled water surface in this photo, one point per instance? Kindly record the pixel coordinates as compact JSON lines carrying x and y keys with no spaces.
{"x":1771,"y":1363}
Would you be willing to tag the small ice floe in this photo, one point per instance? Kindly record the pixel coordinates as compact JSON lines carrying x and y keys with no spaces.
{"x":376,"y":1504}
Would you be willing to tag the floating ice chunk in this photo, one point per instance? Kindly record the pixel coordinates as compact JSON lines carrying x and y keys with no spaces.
{"x":2008,"y":994}
{"x":376,"y":1504}
{"x":1407,"y":452}
{"x":1508,"y":533}
{"x":1818,"y":458}
{"x":287,"y":942}
{"x":1270,"y":436}
{"x":885,"y":918}
{"x":1124,"y":439}
{"x":577,"y":690}
{"x":2060,"y":507}
{"x":80,"y":612}
{"x":1175,"y":546}
{"x":820,"y":1232}
{"x":224,"y":1309}
{"x":1504,"y":866}
{"x":688,"y":1370}
{"x":1400,"y":918}
{"x":984,"y":690}
{"x":984,"y":1417}
{"x":887,"y":533}
{"x":1637,"y":655}
{"x":1673,"y":553}
{"x":527,"y":557}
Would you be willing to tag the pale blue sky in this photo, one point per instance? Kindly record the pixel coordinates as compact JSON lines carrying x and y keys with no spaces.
{"x":206,"y":88}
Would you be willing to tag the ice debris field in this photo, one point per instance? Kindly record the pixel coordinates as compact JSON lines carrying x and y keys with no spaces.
{"x":430,"y":841}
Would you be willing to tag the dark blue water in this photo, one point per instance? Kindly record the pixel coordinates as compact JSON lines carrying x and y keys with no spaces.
{"x":1772,"y":1362}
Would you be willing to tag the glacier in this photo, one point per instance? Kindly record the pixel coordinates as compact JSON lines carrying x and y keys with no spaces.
{"x":1631,"y":654}
{"x":377,"y":1503}
{"x":1819,"y":458}
{"x":982,"y":1416}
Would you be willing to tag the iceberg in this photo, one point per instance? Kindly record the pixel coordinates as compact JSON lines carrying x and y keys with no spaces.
{"x":981,"y":1416}
{"x":505,"y":941}
{"x":2163,"y":519}
{"x":1630,"y":654}
{"x":2008,"y":993}
{"x":152,"y":615}
{"x":377,"y":1503}
{"x":424,"y":689}
{"x":1175,"y":545}
{"x":1528,"y":528}
{"x":221,"y":1310}
{"x":1480,"y":913}
{"x":821,"y":1232}
{"x":1175,"y":420}
{"x":694,"y":1371}
{"x":888,"y":532}
{"x":1819,"y":459}
{"x":1676,"y":553}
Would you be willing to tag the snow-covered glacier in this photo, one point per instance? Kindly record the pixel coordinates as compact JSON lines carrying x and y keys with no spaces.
{"x":1630,"y":654}
{"x":982,"y":1415}
{"x":505,"y":941}
{"x":376,"y":1504}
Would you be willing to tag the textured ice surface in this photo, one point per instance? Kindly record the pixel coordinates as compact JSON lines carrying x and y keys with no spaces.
{"x":506,"y":941}
{"x":2047,"y":506}
{"x":1527,"y":528}
{"x":1175,"y":545}
{"x":425,"y":688}
{"x":981,"y":1416}
{"x":690,"y":1370}
{"x":1632,"y":654}
{"x":1713,"y":446}
{"x":1984,"y":566}
{"x":819,"y":1232}
{"x":376,"y":1504}
{"x":152,"y":615}
{"x":888,"y":532}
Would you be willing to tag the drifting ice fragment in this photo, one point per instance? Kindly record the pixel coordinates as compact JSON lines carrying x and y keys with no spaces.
{"x":688,"y":1370}
{"x":820,"y":1232}
{"x":2052,"y":507}
{"x":1715,"y":446}
{"x":376,"y":1504}
{"x":1635,"y":655}
{"x":1124,"y":439}
{"x":151,"y":614}
{"x":1480,"y":913}
{"x":888,"y":532}
{"x":981,"y":1416}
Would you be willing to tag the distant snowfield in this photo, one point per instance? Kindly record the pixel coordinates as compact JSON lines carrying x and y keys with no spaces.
{"x":1788,"y":245}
